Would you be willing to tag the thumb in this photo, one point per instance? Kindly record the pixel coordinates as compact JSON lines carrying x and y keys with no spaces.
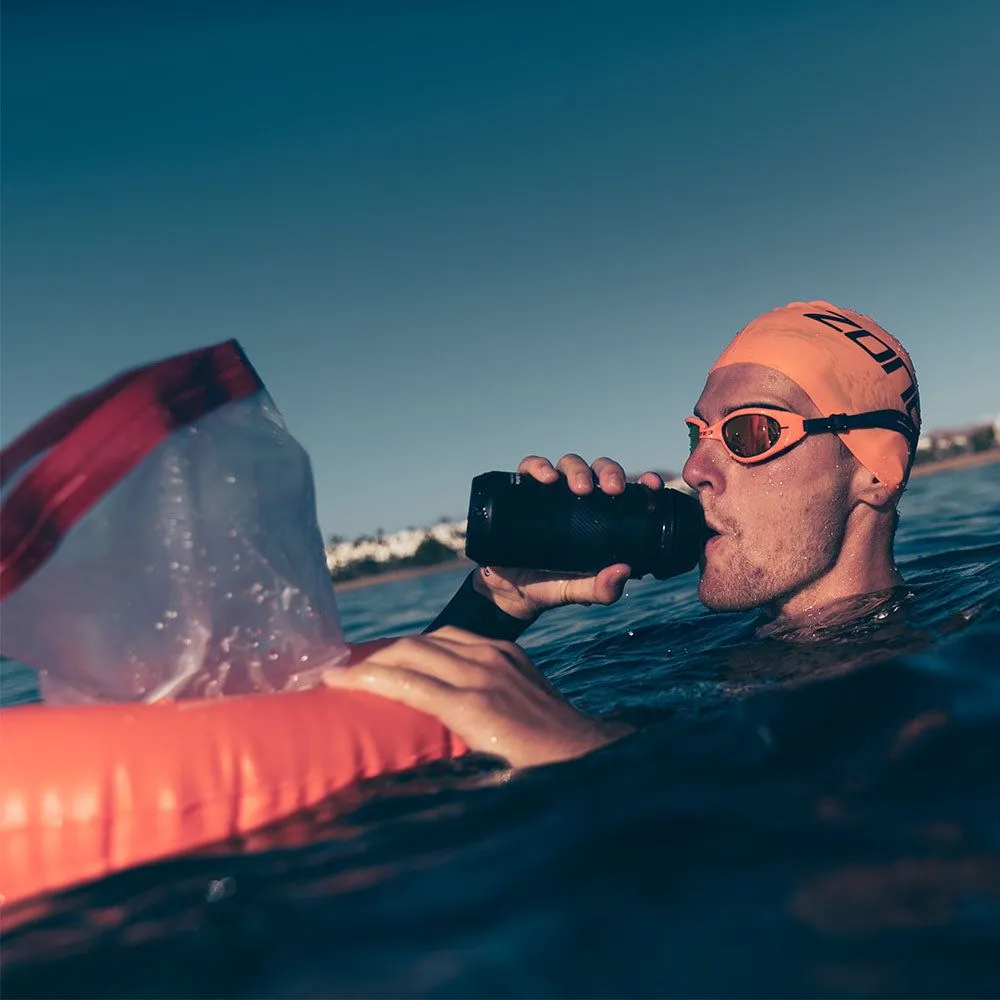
{"x":605,"y":588}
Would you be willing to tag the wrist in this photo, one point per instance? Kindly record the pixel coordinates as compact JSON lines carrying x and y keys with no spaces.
{"x":597,"y":734}
{"x":474,"y":612}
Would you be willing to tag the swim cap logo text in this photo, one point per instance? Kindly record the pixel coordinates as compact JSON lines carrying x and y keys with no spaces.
{"x":885,"y":355}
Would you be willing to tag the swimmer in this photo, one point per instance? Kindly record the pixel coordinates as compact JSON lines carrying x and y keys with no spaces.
{"x":801,"y":444}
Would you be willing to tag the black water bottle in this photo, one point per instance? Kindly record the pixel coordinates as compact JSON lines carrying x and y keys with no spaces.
{"x":514,"y":520}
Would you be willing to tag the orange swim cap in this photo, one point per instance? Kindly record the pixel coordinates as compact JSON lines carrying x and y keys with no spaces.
{"x":846,"y":363}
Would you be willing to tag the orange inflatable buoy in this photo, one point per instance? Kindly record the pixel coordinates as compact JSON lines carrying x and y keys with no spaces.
{"x":91,"y":790}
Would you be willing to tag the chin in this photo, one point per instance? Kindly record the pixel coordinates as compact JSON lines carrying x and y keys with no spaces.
{"x":729,"y":592}
{"x":716,"y":600}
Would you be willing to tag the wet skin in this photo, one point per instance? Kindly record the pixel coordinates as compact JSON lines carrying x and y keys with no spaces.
{"x":806,"y":528}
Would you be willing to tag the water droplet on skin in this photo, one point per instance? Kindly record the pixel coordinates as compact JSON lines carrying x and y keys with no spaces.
{"x":230,"y":479}
{"x":228,"y":595}
{"x":169,"y":614}
{"x":272,"y":655}
{"x":173,"y":565}
{"x":304,"y":658}
{"x":159,"y":626}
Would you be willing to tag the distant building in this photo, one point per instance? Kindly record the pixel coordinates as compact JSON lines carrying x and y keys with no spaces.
{"x":399,"y":545}
{"x":940,"y":444}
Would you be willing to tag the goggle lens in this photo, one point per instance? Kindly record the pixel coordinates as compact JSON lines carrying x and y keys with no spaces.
{"x":694,"y":435}
{"x":750,"y":434}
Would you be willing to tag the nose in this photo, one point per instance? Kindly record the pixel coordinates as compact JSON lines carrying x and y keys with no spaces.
{"x":702,"y":471}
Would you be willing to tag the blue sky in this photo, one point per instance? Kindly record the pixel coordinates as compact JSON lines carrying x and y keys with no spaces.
{"x":450,"y":234}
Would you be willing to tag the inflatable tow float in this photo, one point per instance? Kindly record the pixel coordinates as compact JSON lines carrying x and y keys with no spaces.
{"x":88,"y":791}
{"x":151,"y":768}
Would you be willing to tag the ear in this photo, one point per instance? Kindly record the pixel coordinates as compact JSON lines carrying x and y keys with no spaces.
{"x":866,"y":489}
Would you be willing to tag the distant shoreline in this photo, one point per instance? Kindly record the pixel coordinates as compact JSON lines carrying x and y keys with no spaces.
{"x":967,"y":461}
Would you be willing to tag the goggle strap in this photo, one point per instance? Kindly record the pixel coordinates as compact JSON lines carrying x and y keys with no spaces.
{"x":890,"y":420}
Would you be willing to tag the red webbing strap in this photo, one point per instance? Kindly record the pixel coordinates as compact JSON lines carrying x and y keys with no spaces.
{"x":95,"y":440}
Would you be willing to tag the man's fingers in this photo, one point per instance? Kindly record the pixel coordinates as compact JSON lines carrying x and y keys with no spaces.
{"x":610,"y":475}
{"x":470,"y":714}
{"x":452,"y":655}
{"x":581,"y":477}
{"x":442,"y":637}
{"x":413,"y":688}
{"x":538,"y":468}
{"x":494,"y":656}
{"x":462,"y":659}
{"x":578,"y":474}
{"x":487,"y":656}
{"x":460,"y":666}
{"x":604,"y":472}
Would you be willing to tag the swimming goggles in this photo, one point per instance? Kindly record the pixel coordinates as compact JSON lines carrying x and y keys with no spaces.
{"x":755,"y":434}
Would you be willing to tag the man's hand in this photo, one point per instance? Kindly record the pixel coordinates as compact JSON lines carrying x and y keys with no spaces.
{"x":488,"y":693}
{"x":526,"y":593}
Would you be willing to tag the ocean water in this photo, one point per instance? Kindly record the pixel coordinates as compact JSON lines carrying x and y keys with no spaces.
{"x":794,"y":818}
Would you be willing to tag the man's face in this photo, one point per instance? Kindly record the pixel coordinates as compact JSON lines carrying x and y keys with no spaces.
{"x":781,"y":522}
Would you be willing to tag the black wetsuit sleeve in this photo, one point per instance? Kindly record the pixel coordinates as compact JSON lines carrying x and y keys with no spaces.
{"x":468,"y":609}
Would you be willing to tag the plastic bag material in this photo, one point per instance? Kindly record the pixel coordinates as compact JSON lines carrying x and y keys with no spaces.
{"x":159,"y":539}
